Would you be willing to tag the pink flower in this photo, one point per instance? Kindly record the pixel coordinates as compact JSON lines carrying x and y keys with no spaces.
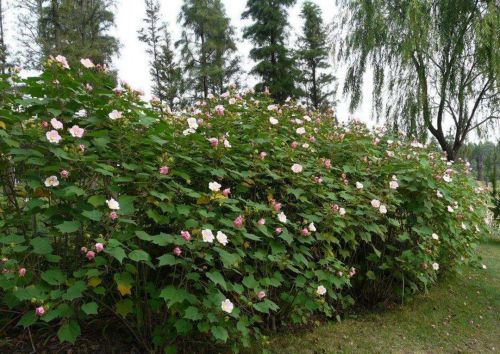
{"x":164,"y":170}
{"x":263,"y":155}
{"x":177,"y":251}
{"x":186,"y":235}
{"x":64,"y":174}
{"x":76,"y":131}
{"x":294,"y":144}
{"x":214,"y":142}
{"x":82,"y":147}
{"x":99,"y":247}
{"x":39,"y":311}
{"x":238,"y":222}
{"x":261,"y":221}
{"x":318,"y":180}
{"x":45,"y":124}
{"x":261,"y":294}
{"x":113,"y":215}
{"x":335,"y":208}
{"x":118,"y":90}
{"x":90,"y":255}
{"x":327,"y":164}
{"x":278,"y":230}
{"x":304,"y":231}
{"x":21,"y":272}
{"x":219,"y":110}
{"x":226,"y":192}
{"x":297,"y":168}
{"x":277,"y":207}
{"x":53,"y":136}
{"x":393,"y":185}
{"x":63,"y":61}
{"x":57,"y":125}
{"x":312,"y":139}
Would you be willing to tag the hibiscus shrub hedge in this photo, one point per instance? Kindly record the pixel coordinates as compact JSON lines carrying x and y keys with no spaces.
{"x":213,"y":224}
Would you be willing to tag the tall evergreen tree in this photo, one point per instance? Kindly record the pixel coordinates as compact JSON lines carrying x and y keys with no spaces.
{"x":275,"y":65}
{"x":75,"y":29}
{"x":207,"y":46}
{"x":165,"y":72}
{"x":313,"y":57}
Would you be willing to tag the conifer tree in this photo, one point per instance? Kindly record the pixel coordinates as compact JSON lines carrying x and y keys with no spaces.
{"x":275,"y":64}
{"x":313,"y":58}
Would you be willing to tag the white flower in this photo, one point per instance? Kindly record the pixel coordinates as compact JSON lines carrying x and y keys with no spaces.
{"x":188,"y":131}
{"x":435,"y":237}
{"x":51,"y":181}
{"x":297,"y":168}
{"x":435,"y":266}
{"x":273,"y":121}
{"x":305,"y":145}
{"x":193,"y":123}
{"x":301,"y":131}
{"x":321,"y":290}
{"x":81,"y":113}
{"x":439,"y":195}
{"x":359,"y":185}
{"x":307,"y":118}
{"x":375,"y":203}
{"x":471,"y":208}
{"x":393,"y":185}
{"x":272,"y":107}
{"x":464,"y":227}
{"x":227,"y":306}
{"x":214,"y":186}
{"x":207,"y":235}
{"x":113,"y":204}
{"x":87,"y":63}
{"x":383,"y":209}
{"x":114,"y":115}
{"x":76,"y":131}
{"x":312,"y":227}
{"x":222,"y":238}
{"x":63,"y":61}
{"x":342,"y":211}
{"x":446,"y":178}
{"x":484,"y":266}
{"x":226,"y":143}
{"x":450,"y":209}
{"x":282,"y":217}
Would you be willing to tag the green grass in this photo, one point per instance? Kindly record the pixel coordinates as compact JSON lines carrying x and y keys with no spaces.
{"x":459,"y":315}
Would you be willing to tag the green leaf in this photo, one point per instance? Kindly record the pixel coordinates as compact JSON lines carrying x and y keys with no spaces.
{"x":217,"y":278}
{"x":117,"y":252}
{"x":75,"y":291}
{"x":68,"y":226}
{"x":139,"y":255}
{"x":90,"y":308}
{"x":69,"y":332}
{"x":220,"y":333}
{"x":41,"y":245}
{"x":124,"y":307}
{"x":54,"y":277}
{"x":28,"y":319}
{"x":192,"y":313}
{"x":94,"y":215}
{"x":173,"y":295}
{"x":97,"y":200}
{"x":167,"y":259}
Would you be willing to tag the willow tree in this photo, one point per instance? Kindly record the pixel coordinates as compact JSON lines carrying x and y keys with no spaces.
{"x":436,"y":64}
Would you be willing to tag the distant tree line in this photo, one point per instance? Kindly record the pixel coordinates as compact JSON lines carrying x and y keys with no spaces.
{"x":436,"y":64}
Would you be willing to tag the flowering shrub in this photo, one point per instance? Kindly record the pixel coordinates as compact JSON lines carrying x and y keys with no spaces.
{"x":237,"y":216}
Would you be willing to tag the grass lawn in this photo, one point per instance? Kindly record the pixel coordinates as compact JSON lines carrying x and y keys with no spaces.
{"x":459,"y":315}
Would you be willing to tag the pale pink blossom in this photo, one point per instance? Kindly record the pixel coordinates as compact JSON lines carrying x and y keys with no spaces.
{"x":282,"y":217}
{"x":238,"y":222}
{"x":226,"y":192}
{"x":435,"y":266}
{"x":294,"y":144}
{"x":393,"y":185}
{"x":227,"y":306}
{"x":261,"y":294}
{"x":328,"y":164}
{"x":304,"y":231}
{"x":113,"y":215}
{"x":39,"y":311}
{"x":21,"y":272}
{"x":84,"y":249}
{"x":222,"y":238}
{"x":214,"y":142}
{"x":113,"y":204}
{"x":383,"y":209}
{"x":261,"y":221}
{"x":375,"y":203}
{"x":273,"y":121}
{"x":63,"y":61}
{"x":99,"y":247}
{"x":263,"y":155}
{"x":219,"y":110}
{"x":76,"y":131}
{"x":207,"y":235}
{"x":114,"y":115}
{"x":214,"y":186}
{"x":297,"y":168}
{"x":53,"y":136}
{"x":90,"y":255}
{"x":321,"y":290}
{"x":87,"y":63}
{"x":177,"y":251}
{"x":300,"y":130}
{"x":342,"y":211}
{"x":352,"y":272}
{"x":64,"y":174}
{"x":359,"y":185}
{"x":57,"y":125}
{"x":277,"y":206}
{"x":164,"y":170}
{"x":312,"y":227}
{"x":278,"y":230}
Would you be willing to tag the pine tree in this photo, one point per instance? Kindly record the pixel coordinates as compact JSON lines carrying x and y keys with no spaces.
{"x":207,"y":46}
{"x":166,"y":74}
{"x":275,"y":65}
{"x":75,"y":29}
{"x":313,"y":57}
